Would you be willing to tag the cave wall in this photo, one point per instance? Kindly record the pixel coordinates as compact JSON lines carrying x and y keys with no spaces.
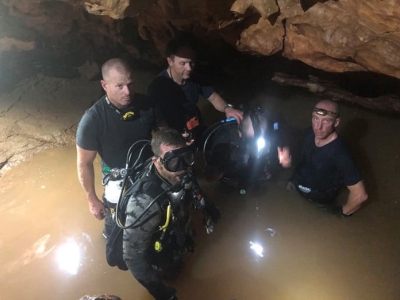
{"x":335,"y":36}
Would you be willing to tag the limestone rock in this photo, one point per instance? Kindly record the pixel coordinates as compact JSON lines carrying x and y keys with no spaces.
{"x":100,"y":297}
{"x":347,"y":36}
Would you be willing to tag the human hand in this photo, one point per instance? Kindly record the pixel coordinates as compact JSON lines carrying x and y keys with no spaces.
{"x":284,"y":156}
{"x":96,"y":207}
{"x":188,"y":138}
{"x":231,"y":112}
{"x":189,"y":142}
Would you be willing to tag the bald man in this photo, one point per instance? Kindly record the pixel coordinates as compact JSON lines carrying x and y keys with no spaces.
{"x":326,"y":164}
{"x":109,"y":128}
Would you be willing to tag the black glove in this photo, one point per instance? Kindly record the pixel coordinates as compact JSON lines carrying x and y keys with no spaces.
{"x":211,"y":211}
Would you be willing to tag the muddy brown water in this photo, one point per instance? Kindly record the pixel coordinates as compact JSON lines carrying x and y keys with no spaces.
{"x":52,"y":248}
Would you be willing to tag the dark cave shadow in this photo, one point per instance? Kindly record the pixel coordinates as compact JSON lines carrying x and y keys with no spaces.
{"x":353,"y":131}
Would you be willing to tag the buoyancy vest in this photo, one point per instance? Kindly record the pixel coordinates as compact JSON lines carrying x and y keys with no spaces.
{"x":150,"y":184}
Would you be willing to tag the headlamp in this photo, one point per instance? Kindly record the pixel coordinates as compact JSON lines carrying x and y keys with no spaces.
{"x":260,"y":143}
{"x":324,"y":112}
{"x":178,"y":160}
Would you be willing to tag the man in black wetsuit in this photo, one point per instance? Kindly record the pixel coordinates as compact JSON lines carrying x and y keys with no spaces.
{"x":326,"y":163}
{"x":109,"y":128}
{"x":158,"y":214}
{"x":176,"y":92}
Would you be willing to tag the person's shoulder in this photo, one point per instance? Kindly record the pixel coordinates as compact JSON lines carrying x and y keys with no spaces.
{"x":161,"y":77}
{"x":96,"y":109}
{"x":340,"y":144}
{"x":160,"y":84}
{"x":142,"y":102}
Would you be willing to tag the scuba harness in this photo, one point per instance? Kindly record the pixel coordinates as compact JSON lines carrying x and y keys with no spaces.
{"x":139,"y":178}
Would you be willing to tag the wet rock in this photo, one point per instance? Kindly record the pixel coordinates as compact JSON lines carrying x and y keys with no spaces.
{"x":100,"y":297}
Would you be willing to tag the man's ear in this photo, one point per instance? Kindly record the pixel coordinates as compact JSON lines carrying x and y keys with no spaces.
{"x":337,"y":121}
{"x":170,"y":61}
{"x":103,"y":85}
{"x":154,"y":159}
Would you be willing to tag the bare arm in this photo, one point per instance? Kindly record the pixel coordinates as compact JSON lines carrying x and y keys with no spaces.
{"x":220,"y":104}
{"x":285,"y":159}
{"x":85,"y":159}
{"x":356,"y":197}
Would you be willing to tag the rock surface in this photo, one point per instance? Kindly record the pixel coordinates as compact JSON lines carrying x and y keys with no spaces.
{"x":100,"y":297}
{"x":335,"y":36}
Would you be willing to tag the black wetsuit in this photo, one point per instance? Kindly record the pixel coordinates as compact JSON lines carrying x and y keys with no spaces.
{"x":146,"y":265}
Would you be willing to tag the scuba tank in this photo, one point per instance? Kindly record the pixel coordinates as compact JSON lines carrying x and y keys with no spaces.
{"x":176,"y":201}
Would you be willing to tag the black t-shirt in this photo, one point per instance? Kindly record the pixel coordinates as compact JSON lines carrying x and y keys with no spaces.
{"x":328,"y":167}
{"x":178,"y":103}
{"x":101,"y":129}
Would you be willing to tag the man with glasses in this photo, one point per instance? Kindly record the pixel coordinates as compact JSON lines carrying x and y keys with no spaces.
{"x":326,"y":164}
{"x":158,"y":214}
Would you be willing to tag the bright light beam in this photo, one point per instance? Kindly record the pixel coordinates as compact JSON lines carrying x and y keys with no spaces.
{"x":69,"y":257}
{"x":257,"y":248}
{"x":260,"y":143}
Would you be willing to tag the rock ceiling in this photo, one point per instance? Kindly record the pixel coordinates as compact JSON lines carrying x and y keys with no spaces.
{"x":342,"y":36}
{"x":335,"y":36}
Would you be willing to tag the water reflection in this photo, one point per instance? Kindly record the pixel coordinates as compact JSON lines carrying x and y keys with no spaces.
{"x":52,"y":248}
{"x":70,"y":254}
{"x":257,"y":248}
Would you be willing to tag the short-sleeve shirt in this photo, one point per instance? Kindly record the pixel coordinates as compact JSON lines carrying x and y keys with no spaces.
{"x":103,"y":130}
{"x":328,"y":167}
{"x":178,"y":103}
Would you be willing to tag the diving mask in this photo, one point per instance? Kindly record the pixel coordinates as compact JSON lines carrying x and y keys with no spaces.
{"x":178,"y":160}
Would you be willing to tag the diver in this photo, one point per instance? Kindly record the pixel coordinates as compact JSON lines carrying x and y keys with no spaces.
{"x":153,"y":215}
{"x":242,"y":154}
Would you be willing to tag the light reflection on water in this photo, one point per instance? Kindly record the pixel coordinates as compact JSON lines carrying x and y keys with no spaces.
{"x":308,"y":254}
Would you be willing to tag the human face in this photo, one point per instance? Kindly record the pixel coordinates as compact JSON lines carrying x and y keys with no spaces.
{"x":182,"y":64}
{"x":171,"y":177}
{"x":119,"y":88}
{"x":324,"y":126}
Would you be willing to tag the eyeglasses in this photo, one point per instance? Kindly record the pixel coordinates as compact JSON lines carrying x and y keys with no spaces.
{"x":178,"y":160}
{"x":324,"y":112}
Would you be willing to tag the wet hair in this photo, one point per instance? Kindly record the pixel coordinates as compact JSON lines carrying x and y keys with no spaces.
{"x":182,"y":40}
{"x":168,"y":137}
{"x":118,"y":64}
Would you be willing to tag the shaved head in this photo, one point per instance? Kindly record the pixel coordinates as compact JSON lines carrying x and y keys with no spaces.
{"x":117,"y":82}
{"x":119,"y":65}
{"x":329,"y":105}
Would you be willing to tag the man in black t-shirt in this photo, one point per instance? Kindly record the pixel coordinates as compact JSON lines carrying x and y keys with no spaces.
{"x":109,"y":128}
{"x":326,"y":164}
{"x":176,"y":92}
